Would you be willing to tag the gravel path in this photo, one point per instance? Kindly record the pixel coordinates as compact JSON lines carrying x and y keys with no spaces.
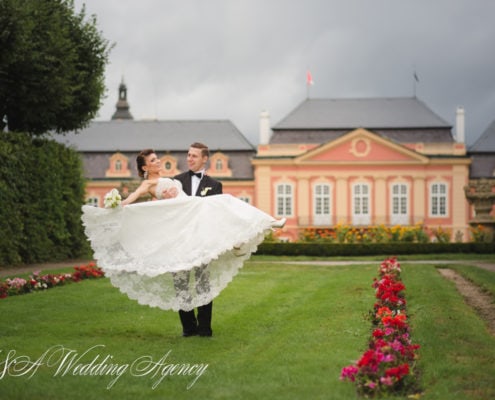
{"x":26,"y":269}
{"x":22,"y":269}
{"x":482,"y":302}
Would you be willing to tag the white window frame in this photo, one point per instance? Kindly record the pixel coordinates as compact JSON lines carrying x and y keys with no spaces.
{"x":361,"y":203}
{"x":92,"y":201}
{"x":322,"y":204}
{"x":284,"y":199}
{"x":439,"y":200}
{"x":246,"y":199}
{"x":399,"y":203}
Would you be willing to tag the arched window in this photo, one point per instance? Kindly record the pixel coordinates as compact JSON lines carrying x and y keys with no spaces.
{"x":322,"y":204}
{"x":284,"y":199}
{"x":361,"y":204}
{"x":438,"y":199}
{"x":400,"y":204}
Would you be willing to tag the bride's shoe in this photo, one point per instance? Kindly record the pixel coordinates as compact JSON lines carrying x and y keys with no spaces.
{"x":279,"y":223}
{"x":238,"y":251}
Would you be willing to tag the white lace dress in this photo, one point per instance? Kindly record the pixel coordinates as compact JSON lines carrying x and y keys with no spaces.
{"x":177,"y":253}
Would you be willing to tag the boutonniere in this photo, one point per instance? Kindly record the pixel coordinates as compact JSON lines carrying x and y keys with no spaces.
{"x":205,"y":190}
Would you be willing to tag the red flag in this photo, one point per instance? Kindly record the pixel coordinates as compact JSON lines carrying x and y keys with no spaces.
{"x":309,"y":78}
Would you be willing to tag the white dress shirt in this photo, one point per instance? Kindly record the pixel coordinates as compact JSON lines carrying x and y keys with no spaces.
{"x":195,"y":182}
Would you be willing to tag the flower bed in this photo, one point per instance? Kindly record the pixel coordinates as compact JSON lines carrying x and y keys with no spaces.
{"x":36,"y":282}
{"x":387,"y":366}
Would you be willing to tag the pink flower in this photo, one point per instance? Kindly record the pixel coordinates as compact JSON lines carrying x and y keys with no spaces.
{"x":388,"y":358}
{"x":349,"y":373}
{"x":389,"y":331}
{"x":371,"y":384}
{"x":387,"y":381}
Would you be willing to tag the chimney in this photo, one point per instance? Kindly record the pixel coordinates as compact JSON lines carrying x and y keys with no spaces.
{"x":459,"y":125}
{"x":265,"y":130}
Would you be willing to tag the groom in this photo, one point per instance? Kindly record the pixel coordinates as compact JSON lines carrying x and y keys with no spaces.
{"x":196,"y":183}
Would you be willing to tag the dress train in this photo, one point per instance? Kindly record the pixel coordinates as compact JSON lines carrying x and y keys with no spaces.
{"x":178,"y":253}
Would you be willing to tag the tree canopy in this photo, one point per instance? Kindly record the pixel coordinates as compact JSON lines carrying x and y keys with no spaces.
{"x":52,"y":66}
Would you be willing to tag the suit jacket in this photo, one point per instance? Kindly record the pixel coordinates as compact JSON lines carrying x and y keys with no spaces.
{"x":207,"y":186}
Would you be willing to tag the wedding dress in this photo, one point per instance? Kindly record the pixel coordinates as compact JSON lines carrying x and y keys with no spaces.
{"x":177,"y":253}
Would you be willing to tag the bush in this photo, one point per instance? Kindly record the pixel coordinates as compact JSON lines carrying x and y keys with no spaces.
{"x":346,"y":249}
{"x":41,"y":193}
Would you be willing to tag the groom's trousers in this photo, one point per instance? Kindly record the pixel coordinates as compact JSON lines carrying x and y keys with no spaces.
{"x":200,"y":324}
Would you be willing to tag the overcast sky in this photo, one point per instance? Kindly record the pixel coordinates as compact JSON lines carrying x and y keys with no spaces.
{"x":232,"y":59}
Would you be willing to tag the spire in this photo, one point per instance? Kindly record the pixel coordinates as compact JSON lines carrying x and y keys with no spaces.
{"x":122,"y":111}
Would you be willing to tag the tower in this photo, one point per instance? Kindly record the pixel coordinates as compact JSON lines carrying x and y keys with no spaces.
{"x":122,"y":111}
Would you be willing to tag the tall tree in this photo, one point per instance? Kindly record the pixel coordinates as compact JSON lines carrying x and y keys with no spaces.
{"x":52,"y":66}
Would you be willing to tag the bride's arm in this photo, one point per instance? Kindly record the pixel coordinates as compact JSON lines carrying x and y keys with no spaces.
{"x":143,"y":189}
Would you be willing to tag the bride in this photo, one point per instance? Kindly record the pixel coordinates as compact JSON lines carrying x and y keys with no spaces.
{"x":177,"y":252}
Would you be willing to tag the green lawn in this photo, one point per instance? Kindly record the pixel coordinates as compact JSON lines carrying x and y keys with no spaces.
{"x":280,"y":332}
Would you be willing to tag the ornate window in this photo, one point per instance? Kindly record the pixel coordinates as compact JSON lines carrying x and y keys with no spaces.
{"x":118,"y":166}
{"x":169,"y":165}
{"x":219,"y":165}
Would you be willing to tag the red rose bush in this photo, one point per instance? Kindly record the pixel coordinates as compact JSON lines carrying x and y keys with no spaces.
{"x":36,"y":282}
{"x":387,"y":367}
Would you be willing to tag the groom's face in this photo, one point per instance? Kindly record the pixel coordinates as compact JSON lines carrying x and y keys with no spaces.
{"x":195,"y":161}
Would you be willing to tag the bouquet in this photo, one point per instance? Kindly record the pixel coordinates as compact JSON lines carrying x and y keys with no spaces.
{"x":112,"y":199}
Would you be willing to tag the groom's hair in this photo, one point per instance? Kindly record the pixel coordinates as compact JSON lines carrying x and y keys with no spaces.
{"x":204,"y":148}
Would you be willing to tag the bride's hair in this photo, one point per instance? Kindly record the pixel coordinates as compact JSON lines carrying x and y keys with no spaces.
{"x":141,"y":161}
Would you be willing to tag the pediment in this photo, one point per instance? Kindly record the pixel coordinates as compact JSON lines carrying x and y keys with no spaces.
{"x":361,"y":146}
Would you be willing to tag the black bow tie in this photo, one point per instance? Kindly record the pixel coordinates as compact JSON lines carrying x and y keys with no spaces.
{"x":198,"y":174}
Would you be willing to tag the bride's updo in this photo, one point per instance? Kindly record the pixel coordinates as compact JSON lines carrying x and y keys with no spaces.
{"x":141,"y":161}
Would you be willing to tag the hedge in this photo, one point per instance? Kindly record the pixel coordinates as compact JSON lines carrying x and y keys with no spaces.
{"x":348,"y":249}
{"x":41,"y":194}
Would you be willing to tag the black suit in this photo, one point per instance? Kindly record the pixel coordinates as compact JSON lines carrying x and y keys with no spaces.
{"x":201,"y":324}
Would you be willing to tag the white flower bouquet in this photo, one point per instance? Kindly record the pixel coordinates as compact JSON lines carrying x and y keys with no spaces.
{"x":112,"y":199}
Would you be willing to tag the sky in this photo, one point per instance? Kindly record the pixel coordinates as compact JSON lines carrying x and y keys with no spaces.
{"x":233,"y":59}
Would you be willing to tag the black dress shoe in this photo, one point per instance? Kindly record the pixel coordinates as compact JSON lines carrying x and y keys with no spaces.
{"x":206,"y":333}
{"x":188,"y":334}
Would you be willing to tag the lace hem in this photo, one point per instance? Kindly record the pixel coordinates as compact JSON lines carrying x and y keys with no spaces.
{"x":147,"y":249}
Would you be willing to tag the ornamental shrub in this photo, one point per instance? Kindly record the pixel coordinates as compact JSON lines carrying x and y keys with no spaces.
{"x":41,"y":194}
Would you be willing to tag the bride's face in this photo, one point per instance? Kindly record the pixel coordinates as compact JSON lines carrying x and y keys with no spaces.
{"x":153,"y":163}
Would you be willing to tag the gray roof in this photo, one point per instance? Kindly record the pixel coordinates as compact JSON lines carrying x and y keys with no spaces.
{"x":482,"y":166}
{"x":486,"y":142}
{"x":371,"y":113}
{"x":426,"y":135}
{"x":170,"y":135}
{"x":96,"y":163}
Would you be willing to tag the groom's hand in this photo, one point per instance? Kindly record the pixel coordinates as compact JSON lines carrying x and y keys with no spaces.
{"x":170,"y":193}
